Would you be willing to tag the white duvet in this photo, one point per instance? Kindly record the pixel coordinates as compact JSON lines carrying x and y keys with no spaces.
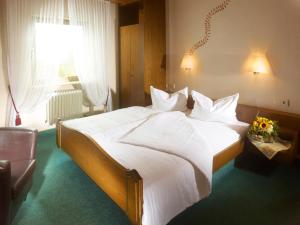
{"x":172,"y":133}
{"x":176,"y":169}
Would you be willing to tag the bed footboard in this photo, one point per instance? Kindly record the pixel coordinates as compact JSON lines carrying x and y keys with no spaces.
{"x":125,"y":187}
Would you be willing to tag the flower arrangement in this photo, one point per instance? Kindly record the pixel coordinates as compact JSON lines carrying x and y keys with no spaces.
{"x":263,"y":129}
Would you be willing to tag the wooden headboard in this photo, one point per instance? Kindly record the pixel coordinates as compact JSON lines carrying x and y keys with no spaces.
{"x":247,"y":113}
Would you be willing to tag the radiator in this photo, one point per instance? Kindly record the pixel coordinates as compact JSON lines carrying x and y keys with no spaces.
{"x":64,"y":104}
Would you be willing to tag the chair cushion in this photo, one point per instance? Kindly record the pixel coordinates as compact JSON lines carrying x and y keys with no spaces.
{"x":21,"y":173}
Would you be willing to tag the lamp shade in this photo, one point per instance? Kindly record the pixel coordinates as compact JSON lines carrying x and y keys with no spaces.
{"x":260,"y":65}
{"x":187,"y":62}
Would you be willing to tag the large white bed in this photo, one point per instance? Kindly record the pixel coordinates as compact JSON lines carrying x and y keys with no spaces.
{"x":170,"y":182}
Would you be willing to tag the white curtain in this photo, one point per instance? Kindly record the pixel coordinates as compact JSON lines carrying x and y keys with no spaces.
{"x":95,"y":58}
{"x":31,"y":82}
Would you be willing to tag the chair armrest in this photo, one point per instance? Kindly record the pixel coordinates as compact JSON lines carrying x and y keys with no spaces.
{"x":5,"y":191}
{"x":4,"y":166}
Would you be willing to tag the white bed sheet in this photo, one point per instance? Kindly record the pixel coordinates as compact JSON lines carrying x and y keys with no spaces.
{"x":169,"y":181}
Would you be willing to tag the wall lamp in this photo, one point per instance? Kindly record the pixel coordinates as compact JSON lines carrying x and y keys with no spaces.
{"x":260,"y":65}
{"x":187,"y":62}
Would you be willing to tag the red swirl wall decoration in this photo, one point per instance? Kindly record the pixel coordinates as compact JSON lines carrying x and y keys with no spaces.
{"x":207,"y":26}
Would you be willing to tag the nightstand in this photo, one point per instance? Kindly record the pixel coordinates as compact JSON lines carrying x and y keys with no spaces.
{"x":254,"y":160}
{"x":290,"y":155}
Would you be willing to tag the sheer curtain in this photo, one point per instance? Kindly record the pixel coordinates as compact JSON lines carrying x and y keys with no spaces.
{"x":31,"y":82}
{"x":95,"y":58}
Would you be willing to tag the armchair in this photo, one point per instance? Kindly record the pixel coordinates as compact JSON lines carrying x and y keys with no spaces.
{"x":17,"y":164}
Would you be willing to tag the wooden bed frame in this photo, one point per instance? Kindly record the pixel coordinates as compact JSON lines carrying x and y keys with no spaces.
{"x":125,"y":187}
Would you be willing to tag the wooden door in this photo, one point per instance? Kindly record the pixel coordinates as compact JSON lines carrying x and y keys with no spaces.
{"x":125,"y":66}
{"x":131,"y":66}
{"x":154,"y":44}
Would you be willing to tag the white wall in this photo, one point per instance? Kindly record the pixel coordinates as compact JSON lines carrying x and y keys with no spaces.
{"x":270,"y":26}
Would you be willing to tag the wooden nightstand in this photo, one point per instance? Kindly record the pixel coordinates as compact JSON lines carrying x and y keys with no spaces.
{"x":290,"y":155}
{"x":254,"y":160}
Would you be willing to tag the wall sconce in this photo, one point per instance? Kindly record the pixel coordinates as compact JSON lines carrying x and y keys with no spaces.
{"x":257,"y":63}
{"x":260,"y":65}
{"x":187,"y":62}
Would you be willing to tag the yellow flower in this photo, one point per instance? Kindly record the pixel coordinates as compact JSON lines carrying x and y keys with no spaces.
{"x":263,"y":125}
{"x":255,"y":123}
{"x":270,"y":128}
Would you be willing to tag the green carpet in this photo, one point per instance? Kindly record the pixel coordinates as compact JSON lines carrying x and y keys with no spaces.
{"x":63,"y":195}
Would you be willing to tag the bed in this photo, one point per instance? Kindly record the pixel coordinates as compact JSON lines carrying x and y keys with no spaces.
{"x":128,"y":186}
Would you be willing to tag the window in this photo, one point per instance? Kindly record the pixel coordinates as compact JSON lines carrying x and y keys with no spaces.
{"x":58,"y":44}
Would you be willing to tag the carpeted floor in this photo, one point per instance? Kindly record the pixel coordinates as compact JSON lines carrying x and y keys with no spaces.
{"x":63,"y":195}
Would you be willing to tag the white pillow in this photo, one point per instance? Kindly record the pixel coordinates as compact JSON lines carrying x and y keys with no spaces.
{"x":221,"y":110}
{"x":162,"y":101}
